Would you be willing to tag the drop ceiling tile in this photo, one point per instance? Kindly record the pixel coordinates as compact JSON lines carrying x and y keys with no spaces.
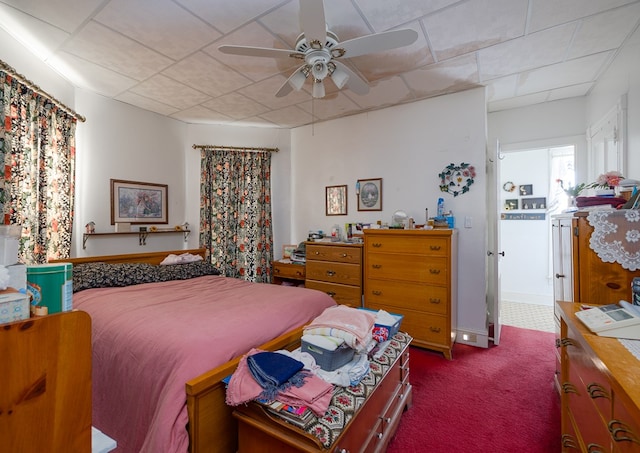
{"x":605,"y":31}
{"x":265,"y":91}
{"x":502,"y":88}
{"x":146,"y":103}
{"x":446,"y":77}
{"x":386,"y":14}
{"x":330,"y":106}
{"x":517,"y":102}
{"x":236,"y":106}
{"x":199,"y":114}
{"x":470,"y":26}
{"x":203,"y":73}
{"x":102,"y":46}
{"x":573,"y":72}
{"x":255,"y":68}
{"x":229,"y":15}
{"x":64,"y":14}
{"x":384,"y":92}
{"x":291,"y":116}
{"x":40,"y":37}
{"x":255,"y":122}
{"x":547,"y":13}
{"x":379,"y":65}
{"x":89,"y":76}
{"x":170,"y":92}
{"x":521,"y":54}
{"x":159,"y":24}
{"x":581,"y":89}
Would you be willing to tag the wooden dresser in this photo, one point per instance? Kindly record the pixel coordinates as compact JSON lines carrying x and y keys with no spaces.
{"x":336,"y":269}
{"x":414,"y":273}
{"x":286,"y":271}
{"x":600,"y":389}
{"x":369,"y":428}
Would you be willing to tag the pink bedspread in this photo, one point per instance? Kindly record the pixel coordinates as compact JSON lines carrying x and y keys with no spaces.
{"x":150,"y":339}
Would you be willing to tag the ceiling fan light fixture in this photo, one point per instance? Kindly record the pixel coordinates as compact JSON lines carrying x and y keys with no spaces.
{"x":319,"y":70}
{"x":339,"y":77}
{"x":297,"y":80}
{"x":318,"y":89}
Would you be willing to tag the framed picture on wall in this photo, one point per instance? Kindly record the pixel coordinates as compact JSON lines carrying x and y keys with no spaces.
{"x":369,"y":194}
{"x":526,"y":189}
{"x":336,"y":200}
{"x":138,"y":202}
{"x":511,"y":204}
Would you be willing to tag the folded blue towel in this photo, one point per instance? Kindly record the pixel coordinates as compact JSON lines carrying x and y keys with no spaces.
{"x":275,"y":372}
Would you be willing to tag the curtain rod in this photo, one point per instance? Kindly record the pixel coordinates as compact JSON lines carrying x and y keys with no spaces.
{"x":22,"y":79}
{"x":235,"y":148}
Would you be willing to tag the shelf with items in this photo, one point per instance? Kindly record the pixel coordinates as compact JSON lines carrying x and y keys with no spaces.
{"x":142,"y":235}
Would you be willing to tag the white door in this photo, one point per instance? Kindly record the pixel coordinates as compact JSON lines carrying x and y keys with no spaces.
{"x":494,"y":251}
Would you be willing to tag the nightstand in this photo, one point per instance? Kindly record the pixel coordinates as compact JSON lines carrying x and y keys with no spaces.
{"x":285,"y":271}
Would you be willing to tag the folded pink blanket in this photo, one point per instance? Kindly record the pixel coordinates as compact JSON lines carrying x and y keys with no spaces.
{"x":582,"y":202}
{"x":341,"y":321}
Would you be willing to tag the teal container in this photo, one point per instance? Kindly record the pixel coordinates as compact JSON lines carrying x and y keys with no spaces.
{"x":51,"y":285}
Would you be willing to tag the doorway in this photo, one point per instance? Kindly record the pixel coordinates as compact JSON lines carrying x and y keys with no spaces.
{"x":530,"y":193}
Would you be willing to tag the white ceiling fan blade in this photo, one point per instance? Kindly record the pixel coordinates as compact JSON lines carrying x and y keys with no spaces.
{"x":378,"y":42}
{"x":312,"y":21}
{"x":295,"y":81}
{"x":355,"y":83}
{"x":260,"y":52}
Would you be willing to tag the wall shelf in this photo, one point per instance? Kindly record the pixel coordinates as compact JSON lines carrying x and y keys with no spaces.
{"x":142,"y":235}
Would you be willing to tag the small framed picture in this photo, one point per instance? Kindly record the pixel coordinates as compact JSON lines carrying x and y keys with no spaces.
{"x":287,"y":250}
{"x":510,"y":205}
{"x":369,"y":194}
{"x":526,"y":189}
{"x":534,"y":203}
{"x":138,"y":202}
{"x":336,"y":200}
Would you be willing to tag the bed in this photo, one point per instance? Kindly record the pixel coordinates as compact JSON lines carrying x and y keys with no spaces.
{"x":161,"y":346}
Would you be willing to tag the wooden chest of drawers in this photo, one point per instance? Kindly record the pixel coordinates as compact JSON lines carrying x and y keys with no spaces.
{"x":599,"y":389}
{"x":287,"y":272}
{"x":336,"y":269}
{"x":414,"y":273}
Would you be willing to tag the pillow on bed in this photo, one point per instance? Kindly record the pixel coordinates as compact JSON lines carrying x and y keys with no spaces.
{"x":107,"y":275}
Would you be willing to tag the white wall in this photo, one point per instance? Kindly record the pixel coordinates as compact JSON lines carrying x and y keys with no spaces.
{"x":407,"y":146}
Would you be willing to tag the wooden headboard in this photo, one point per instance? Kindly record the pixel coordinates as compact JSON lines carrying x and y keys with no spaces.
{"x":149,"y":257}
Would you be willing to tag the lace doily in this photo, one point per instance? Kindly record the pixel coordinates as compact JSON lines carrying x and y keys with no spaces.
{"x":616,"y":236}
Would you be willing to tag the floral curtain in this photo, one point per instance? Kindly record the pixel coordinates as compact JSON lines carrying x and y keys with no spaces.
{"x":235,"y":212}
{"x":37,"y":147}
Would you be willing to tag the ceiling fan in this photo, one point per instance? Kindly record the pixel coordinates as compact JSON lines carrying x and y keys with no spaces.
{"x":320,"y":49}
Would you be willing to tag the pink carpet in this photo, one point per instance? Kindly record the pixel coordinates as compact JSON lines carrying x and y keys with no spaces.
{"x":500,"y":399}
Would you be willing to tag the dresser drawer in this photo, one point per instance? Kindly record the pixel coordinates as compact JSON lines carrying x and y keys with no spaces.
{"x":288,"y":270}
{"x":337,"y":253}
{"x":428,"y":327}
{"x":411,"y":268}
{"x":404,"y":295}
{"x":327,"y":271}
{"x":431,"y":246}
{"x":342,"y":294}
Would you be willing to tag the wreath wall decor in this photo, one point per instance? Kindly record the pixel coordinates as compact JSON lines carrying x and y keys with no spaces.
{"x":457,"y":179}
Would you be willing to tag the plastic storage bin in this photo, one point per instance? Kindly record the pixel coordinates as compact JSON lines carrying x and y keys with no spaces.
{"x":329,"y":360}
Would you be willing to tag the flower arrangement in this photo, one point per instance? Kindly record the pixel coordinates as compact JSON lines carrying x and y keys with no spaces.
{"x":607,"y":180}
{"x":572,"y":191}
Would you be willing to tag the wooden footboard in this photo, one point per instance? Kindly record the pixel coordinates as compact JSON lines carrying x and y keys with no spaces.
{"x":212,"y":428}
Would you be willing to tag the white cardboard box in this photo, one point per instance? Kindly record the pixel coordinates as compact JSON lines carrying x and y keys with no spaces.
{"x":14,"y":307}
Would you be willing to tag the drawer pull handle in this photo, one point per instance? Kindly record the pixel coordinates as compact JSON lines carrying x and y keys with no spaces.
{"x":376,"y":266}
{"x":379,"y":436}
{"x":595,"y":448}
{"x":621,"y":432}
{"x":567,"y":342}
{"x":376,"y":292}
{"x":276,"y":271}
{"x":316,"y":253}
{"x":343,"y":450}
{"x":434,"y":329}
{"x":597,"y":391}
{"x":434,"y":300}
{"x":344,"y":255}
{"x":376,"y":244}
{"x":568,"y":387}
{"x":613,"y":285}
{"x":330,"y":273}
{"x":434,"y":271}
{"x":435,"y":247}
{"x":569,"y":441}
{"x":331,"y":293}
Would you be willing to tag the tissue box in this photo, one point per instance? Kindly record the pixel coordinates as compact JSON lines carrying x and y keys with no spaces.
{"x":329,"y":360}
{"x":14,"y":307}
{"x":382,"y":332}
